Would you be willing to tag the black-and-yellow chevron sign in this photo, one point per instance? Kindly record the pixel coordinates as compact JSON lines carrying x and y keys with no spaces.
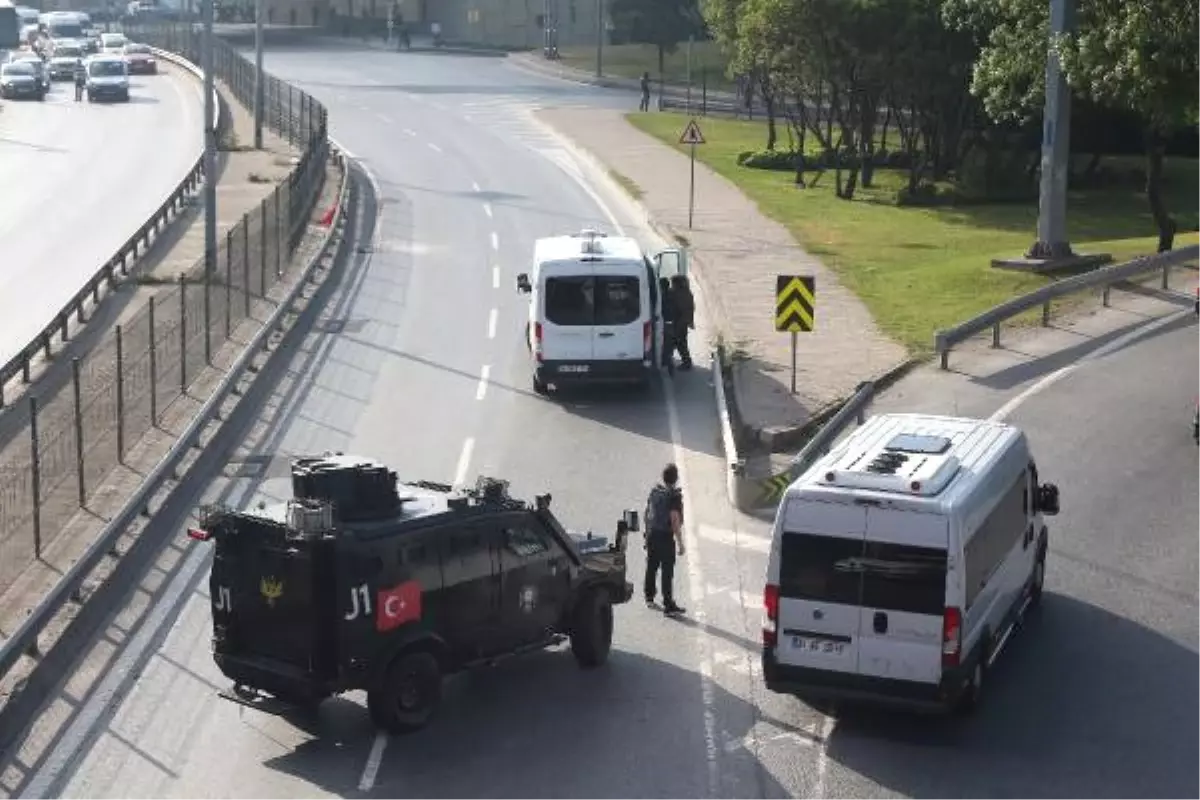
{"x":795,"y":303}
{"x":774,"y":486}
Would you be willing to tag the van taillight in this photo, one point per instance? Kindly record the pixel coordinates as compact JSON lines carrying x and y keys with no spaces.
{"x":199,"y":534}
{"x":537,"y":341}
{"x":951,"y":637}
{"x":771,"y":606}
{"x":647,"y":339}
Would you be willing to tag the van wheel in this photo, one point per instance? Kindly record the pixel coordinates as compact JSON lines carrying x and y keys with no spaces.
{"x":409,"y":696}
{"x":539,"y":386}
{"x":592,"y":629}
{"x":973,"y":692}
{"x":1036,"y":582}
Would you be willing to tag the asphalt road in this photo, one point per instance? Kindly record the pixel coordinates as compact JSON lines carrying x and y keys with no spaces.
{"x":79,"y":179}
{"x":1096,"y":699}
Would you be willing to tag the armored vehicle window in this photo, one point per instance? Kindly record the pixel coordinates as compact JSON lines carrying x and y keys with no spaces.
{"x":525,"y":541}
{"x":470,"y":554}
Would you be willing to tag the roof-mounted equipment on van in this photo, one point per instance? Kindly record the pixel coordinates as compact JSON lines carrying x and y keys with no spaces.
{"x":591,"y":245}
{"x":909,"y":463}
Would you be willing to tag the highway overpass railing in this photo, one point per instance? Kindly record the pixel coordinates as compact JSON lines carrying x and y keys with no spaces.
{"x":82,"y":419}
{"x":1104,"y":278}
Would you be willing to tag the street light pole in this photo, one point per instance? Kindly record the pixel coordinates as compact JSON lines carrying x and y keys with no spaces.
{"x":1056,"y":147}
{"x":599,"y":38}
{"x":210,"y":142}
{"x":259,"y":83}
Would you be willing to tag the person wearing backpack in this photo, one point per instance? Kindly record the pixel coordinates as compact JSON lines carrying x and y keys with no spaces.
{"x":664,"y":535}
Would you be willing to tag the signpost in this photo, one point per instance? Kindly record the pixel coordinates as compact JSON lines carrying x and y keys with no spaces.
{"x":692,"y":136}
{"x":795,"y":309}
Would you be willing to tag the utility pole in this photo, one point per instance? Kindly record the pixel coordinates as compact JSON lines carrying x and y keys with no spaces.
{"x":1056,"y":146}
{"x":259,"y":82}
{"x":210,"y":144}
{"x":599,"y":38}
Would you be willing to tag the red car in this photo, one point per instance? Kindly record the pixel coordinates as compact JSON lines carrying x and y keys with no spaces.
{"x":140,"y":59}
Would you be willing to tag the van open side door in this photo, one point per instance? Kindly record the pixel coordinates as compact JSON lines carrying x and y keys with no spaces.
{"x":670,"y":262}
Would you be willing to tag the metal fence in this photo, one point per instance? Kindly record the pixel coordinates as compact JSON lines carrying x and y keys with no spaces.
{"x":74,"y":427}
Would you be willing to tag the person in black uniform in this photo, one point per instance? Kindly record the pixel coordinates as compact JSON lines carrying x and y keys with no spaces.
{"x":685,"y":318}
{"x":669,"y":314}
{"x":664,"y":538}
{"x":645,"y":104}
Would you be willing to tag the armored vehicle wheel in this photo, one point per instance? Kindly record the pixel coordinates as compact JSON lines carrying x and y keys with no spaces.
{"x":411,"y":692}
{"x":592,"y":629}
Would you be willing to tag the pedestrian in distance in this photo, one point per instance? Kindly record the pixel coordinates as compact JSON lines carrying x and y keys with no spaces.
{"x":645,"y":104}
{"x":685,"y":318}
{"x":664,"y":539}
{"x":80,"y":79}
{"x":669,"y":315}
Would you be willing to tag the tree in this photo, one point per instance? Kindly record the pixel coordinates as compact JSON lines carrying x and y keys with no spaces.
{"x":662,"y":23}
{"x":1140,"y":57}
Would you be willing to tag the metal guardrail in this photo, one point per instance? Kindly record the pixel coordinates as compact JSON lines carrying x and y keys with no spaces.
{"x":853,"y":410}
{"x":25,"y":639}
{"x":118,"y":265}
{"x":1104,"y":277}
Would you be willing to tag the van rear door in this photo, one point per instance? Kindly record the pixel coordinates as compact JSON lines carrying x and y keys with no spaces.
{"x":820,"y":585}
{"x":904,"y":595}
{"x":567,"y":317}
{"x":619,"y":334}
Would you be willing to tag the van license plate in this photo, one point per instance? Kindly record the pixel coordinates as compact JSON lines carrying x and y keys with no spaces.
{"x":811,"y":645}
{"x":573,"y":368}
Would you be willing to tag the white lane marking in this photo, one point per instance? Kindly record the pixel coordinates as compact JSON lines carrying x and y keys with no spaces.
{"x":385,"y":118}
{"x":475,"y":186}
{"x":492,"y":317}
{"x":481,"y":389}
{"x":1047,"y":381}
{"x":495,"y":241}
{"x":464,"y":462}
{"x":487,"y":209}
{"x":495,"y":277}
{"x":374,"y":759}
{"x":823,"y":754}
{"x":409,"y":132}
{"x":692,"y":559}
{"x":434,"y":147}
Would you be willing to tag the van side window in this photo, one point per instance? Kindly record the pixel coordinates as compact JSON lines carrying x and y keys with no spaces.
{"x":995,"y":538}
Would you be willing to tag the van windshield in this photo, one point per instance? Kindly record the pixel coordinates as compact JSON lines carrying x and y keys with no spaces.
{"x":587,"y":300}
{"x":877,"y":575}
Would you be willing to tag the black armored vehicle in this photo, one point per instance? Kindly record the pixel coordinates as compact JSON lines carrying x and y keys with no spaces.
{"x":361,"y":581}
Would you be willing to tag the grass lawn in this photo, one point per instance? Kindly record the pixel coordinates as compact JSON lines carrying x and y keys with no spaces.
{"x":921,"y":269}
{"x":631,"y":60}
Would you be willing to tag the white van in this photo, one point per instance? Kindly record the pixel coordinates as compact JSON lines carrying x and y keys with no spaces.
{"x":902,"y":561}
{"x":594,"y":310}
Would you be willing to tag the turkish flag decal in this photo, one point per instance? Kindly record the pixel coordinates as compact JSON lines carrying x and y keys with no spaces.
{"x":398,"y":605}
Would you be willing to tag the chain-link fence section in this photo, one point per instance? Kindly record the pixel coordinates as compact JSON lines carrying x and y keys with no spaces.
{"x":79,"y":430}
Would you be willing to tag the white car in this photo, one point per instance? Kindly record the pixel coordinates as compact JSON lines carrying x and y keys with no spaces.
{"x":107,"y":78}
{"x":113,"y":43}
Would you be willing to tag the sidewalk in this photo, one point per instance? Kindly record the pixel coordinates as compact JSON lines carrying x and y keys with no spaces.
{"x":245,"y":178}
{"x":736,"y":254}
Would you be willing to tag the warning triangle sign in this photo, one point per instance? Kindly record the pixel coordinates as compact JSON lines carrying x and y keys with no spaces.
{"x":692,"y":134}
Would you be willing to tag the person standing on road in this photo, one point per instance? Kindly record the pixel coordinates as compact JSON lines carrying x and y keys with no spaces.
{"x":664,"y":538}
{"x":645,"y":104}
{"x":669,"y":314}
{"x":685,"y":318}
{"x":80,"y":79}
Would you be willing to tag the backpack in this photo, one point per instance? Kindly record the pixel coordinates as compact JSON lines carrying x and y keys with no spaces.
{"x":658,"y":509}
